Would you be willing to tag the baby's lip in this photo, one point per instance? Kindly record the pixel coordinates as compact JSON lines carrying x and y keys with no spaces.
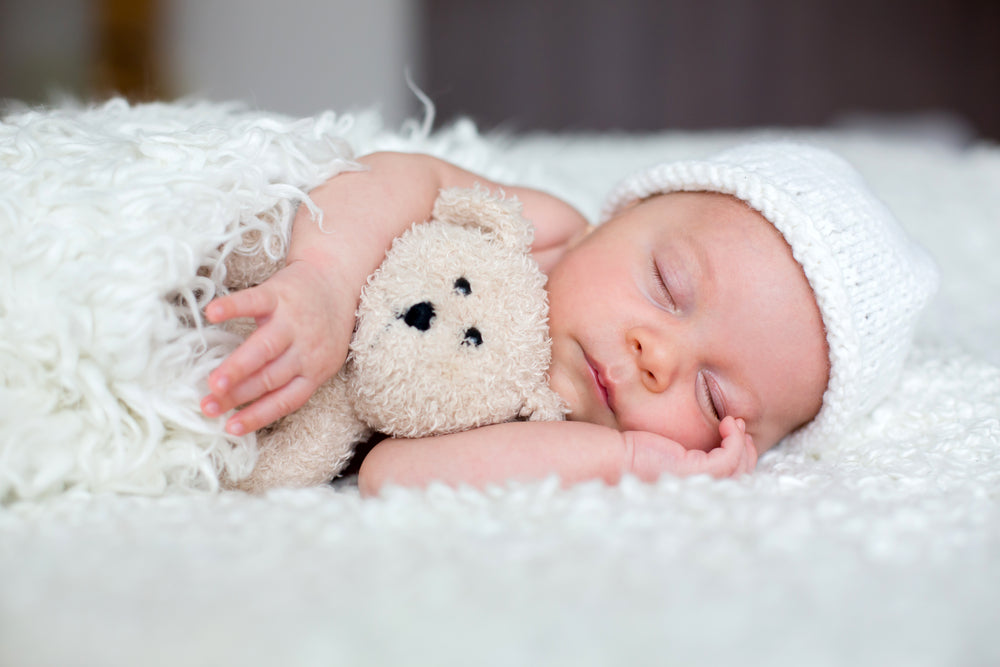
{"x":604,"y":390}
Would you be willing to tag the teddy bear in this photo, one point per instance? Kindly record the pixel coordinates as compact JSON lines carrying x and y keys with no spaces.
{"x":451,"y":334}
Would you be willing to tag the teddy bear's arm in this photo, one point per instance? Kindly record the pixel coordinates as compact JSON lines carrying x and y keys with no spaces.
{"x":543,"y":404}
{"x":310,"y":446}
{"x":574,"y":451}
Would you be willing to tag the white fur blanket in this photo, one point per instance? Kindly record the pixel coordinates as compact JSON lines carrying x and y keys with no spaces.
{"x":882,"y":550}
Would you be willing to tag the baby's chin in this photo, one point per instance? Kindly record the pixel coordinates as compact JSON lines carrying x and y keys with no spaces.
{"x":578,"y":399}
{"x":580,"y":411}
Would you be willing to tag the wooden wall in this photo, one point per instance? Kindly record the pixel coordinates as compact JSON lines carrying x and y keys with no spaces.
{"x":654,"y":64}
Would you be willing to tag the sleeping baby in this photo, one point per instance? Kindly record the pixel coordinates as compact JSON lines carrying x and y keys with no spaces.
{"x":722,"y":306}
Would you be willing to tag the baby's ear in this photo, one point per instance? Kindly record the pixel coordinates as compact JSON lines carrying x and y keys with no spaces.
{"x":478,"y":208}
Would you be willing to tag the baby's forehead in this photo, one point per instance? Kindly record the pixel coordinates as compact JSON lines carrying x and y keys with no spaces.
{"x":714,"y":200}
{"x":720,"y":213}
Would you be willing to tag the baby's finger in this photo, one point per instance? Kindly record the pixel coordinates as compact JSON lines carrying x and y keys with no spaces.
{"x":263,"y":346}
{"x":252,"y":302}
{"x":747,"y":458}
{"x":727,"y":459}
{"x":272,"y":407}
{"x":271,"y":377}
{"x":728,"y":427}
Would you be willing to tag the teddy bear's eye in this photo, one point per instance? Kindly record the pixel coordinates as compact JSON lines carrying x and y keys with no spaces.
{"x":462,"y":286}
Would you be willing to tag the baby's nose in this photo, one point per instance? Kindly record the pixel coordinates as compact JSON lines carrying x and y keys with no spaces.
{"x":654,"y":357}
{"x":419,"y":315}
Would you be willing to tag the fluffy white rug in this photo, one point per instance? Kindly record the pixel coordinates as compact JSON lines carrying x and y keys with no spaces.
{"x":116,"y":221}
{"x":882,"y":550}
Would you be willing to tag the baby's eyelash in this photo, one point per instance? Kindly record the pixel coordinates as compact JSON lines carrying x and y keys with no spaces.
{"x":708,"y":399}
{"x":717,"y":410}
{"x":661,"y":284}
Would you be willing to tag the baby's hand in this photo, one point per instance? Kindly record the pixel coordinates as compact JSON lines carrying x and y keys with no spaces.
{"x":650,"y":455}
{"x":303,"y":333}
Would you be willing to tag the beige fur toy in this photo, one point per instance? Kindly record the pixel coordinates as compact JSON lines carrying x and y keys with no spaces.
{"x":451,"y":334}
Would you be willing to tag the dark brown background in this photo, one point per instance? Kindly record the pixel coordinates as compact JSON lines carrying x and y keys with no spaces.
{"x":569,"y":64}
{"x":649,"y":64}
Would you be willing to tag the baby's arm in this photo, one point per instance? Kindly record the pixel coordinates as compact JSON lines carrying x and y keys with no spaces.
{"x":305,"y":312}
{"x":575,"y":451}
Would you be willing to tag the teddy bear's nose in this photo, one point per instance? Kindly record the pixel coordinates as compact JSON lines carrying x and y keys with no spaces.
{"x":419,"y":315}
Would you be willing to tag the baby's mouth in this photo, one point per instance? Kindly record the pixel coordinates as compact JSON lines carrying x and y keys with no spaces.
{"x":600,"y":388}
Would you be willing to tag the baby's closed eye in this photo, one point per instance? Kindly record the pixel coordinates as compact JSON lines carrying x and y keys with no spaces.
{"x":660,"y":287}
{"x":711,"y":395}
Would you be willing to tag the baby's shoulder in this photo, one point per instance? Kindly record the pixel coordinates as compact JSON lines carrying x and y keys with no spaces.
{"x":558,"y":225}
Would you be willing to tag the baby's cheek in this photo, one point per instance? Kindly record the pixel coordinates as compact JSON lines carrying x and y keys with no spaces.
{"x":571,"y":398}
{"x":764,"y":440}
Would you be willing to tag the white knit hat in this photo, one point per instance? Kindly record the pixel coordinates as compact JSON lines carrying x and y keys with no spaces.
{"x":870,"y":280}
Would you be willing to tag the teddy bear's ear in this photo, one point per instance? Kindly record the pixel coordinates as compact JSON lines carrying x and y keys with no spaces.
{"x":478,"y":208}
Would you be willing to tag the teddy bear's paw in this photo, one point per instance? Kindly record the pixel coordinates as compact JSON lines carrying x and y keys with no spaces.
{"x":310,"y":446}
{"x":544,"y":405}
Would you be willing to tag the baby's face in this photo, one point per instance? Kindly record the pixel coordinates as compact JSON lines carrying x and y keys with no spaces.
{"x":686,"y":308}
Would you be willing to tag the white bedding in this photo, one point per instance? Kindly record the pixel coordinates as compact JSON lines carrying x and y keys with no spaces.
{"x":882,"y":550}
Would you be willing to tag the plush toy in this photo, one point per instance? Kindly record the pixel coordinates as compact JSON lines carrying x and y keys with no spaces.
{"x":451,"y":334}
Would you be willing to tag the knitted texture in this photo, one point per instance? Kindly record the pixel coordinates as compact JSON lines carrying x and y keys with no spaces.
{"x":870,"y":280}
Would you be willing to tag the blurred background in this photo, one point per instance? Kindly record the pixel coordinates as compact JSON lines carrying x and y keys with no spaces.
{"x":569,"y":65}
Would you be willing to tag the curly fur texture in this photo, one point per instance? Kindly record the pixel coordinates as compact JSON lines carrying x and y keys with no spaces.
{"x":116,"y":221}
{"x":451,"y":334}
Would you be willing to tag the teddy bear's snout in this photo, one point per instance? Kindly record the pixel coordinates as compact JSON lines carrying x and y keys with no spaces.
{"x":419,"y":315}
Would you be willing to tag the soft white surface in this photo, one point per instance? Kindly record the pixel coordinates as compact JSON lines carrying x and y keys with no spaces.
{"x":882,"y":550}
{"x":115,"y":223}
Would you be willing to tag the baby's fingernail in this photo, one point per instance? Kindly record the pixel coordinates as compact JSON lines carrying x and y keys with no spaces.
{"x":742,"y":424}
{"x":234,"y":428}
{"x":221,"y":383}
{"x":210,"y":408}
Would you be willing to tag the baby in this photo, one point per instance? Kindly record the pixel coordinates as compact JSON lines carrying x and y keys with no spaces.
{"x":722,"y":306}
